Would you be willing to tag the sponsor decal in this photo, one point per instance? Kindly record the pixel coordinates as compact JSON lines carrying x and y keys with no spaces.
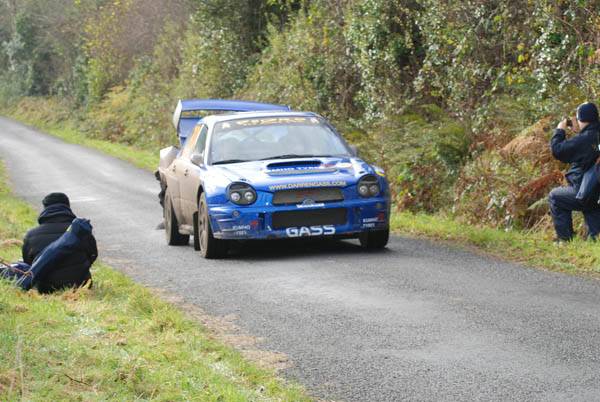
{"x":275,"y":120}
{"x":287,"y":169}
{"x":310,"y":231}
{"x":368,"y":223}
{"x":370,"y":220}
{"x":379,"y":171}
{"x":310,"y":205}
{"x":253,"y":225}
{"x":266,"y":121}
{"x":296,"y":169}
{"x":301,"y":170}
{"x":378,"y":218}
{"x":290,"y":186}
{"x":321,"y":166}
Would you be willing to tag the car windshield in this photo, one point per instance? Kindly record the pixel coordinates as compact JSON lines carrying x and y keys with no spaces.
{"x":266,"y":138}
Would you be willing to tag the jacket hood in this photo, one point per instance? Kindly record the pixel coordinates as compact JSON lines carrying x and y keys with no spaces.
{"x":56,"y":211}
{"x":592,"y":126}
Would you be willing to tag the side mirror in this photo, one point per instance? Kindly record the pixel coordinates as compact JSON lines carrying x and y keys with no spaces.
{"x":197,"y":159}
{"x":354,"y":149}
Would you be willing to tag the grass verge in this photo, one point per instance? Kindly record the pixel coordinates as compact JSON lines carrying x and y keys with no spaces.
{"x":50,"y":116}
{"x":535,"y":249}
{"x":113,"y":342}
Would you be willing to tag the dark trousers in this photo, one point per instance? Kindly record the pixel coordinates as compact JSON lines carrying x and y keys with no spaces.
{"x":562,"y":204}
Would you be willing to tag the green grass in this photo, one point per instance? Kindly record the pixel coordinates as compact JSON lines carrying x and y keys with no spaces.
{"x":55,"y":119}
{"x":115,"y":341}
{"x":535,"y":249}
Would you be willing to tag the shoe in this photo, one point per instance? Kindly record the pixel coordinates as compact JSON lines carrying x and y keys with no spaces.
{"x":557,"y":242}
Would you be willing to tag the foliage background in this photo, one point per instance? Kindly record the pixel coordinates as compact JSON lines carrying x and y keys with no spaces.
{"x":455,"y":99}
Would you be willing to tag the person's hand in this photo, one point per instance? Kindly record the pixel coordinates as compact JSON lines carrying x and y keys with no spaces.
{"x":563,"y":124}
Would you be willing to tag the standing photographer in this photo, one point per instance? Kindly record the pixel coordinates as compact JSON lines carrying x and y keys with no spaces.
{"x":581,"y":151}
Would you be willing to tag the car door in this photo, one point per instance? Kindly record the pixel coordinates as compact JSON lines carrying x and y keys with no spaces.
{"x":175,"y":171}
{"x":191,"y":175}
{"x":172,"y":183}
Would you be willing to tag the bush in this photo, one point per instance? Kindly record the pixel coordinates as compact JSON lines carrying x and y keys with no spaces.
{"x":306,"y":65}
{"x":421,"y":151}
{"x":508,"y":187}
{"x":385,"y":45}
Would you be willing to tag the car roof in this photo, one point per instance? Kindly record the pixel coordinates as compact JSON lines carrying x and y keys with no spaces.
{"x":230,"y":105}
{"x":216,"y":118}
{"x":187,"y":124}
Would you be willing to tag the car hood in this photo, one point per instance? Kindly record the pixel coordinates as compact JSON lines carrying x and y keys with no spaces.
{"x":280,"y":174}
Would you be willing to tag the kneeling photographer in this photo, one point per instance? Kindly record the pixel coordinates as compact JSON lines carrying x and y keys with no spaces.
{"x":582,"y":152}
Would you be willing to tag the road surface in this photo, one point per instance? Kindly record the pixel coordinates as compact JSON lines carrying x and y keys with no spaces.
{"x":414,"y":322}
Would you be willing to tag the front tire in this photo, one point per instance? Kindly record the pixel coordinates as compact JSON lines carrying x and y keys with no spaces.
{"x":174,"y":238}
{"x":375,"y":239}
{"x":204,"y":240}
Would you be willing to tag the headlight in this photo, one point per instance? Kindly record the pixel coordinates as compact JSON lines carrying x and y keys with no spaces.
{"x":368,"y":186}
{"x":241,"y":193}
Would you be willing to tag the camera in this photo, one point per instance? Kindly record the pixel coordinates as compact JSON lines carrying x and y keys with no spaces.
{"x":569,"y":122}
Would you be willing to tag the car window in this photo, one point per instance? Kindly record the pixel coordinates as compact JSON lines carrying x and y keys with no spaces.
{"x":190,"y":143}
{"x":201,"y":142}
{"x":274,"y":137}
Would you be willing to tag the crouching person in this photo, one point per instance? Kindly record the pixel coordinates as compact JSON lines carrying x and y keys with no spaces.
{"x":581,"y":151}
{"x":71,"y":268}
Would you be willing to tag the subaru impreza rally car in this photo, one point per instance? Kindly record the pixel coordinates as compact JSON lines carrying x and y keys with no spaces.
{"x":262,"y":171}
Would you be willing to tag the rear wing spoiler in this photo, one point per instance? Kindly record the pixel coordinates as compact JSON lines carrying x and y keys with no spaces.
{"x":185,"y":125}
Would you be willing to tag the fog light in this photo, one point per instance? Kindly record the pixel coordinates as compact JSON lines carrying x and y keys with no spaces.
{"x":241,"y":193}
{"x":249,"y":196}
{"x":368,"y":186}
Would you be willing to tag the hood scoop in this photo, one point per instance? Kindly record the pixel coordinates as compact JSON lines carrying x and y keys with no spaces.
{"x":298,"y":167}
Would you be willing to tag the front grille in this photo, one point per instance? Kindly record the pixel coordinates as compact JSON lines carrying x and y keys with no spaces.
{"x":296,"y":196}
{"x":309,"y":217}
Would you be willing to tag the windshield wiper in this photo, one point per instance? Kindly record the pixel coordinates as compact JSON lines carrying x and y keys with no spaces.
{"x":223,"y":162}
{"x":290,"y":156}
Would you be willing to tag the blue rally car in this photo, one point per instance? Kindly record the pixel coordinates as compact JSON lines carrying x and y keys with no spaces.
{"x":261,"y":171}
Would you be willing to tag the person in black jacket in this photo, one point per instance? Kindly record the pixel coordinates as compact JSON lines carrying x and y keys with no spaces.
{"x":581,"y":151}
{"x":53,"y":222}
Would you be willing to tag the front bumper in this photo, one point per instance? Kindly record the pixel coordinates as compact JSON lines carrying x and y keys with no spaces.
{"x":345,"y":219}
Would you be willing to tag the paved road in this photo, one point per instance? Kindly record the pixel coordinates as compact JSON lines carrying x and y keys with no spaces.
{"x":415,"y":322}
